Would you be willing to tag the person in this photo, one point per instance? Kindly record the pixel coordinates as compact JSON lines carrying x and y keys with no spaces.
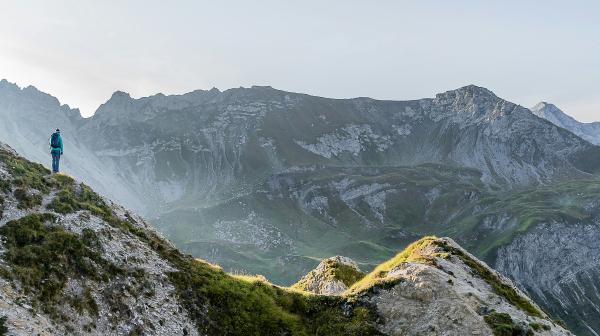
{"x":56,"y":149}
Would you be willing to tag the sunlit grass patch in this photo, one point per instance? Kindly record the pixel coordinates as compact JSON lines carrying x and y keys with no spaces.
{"x":412,"y":253}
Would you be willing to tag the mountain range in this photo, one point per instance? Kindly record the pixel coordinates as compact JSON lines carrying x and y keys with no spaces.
{"x":265,"y":181}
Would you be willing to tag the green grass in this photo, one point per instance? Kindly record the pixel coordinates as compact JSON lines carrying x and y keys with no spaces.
{"x":3,"y":327}
{"x":1,"y":206}
{"x":240,"y":307}
{"x":503,"y":325}
{"x":27,"y":199}
{"x":539,"y":326}
{"x":345,"y":273}
{"x":73,"y":197}
{"x":25,"y":174}
{"x":5,"y":186}
{"x":413,"y":253}
{"x":43,"y":257}
{"x":334,"y":270}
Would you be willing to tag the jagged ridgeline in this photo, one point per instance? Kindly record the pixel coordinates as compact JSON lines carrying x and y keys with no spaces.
{"x":73,"y":263}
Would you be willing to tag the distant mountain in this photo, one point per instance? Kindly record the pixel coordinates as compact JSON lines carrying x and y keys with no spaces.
{"x":29,"y":116}
{"x":270,"y":182}
{"x":209,"y":145}
{"x":588,"y":131}
{"x":72,"y":262}
{"x":161,"y":152}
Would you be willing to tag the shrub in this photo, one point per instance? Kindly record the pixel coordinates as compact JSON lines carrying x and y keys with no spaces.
{"x":3,"y":328}
{"x":503,"y":325}
{"x":27,"y":200}
{"x":5,"y":186}
{"x":26,"y":174}
{"x":44,"y":256}
{"x":539,"y":326}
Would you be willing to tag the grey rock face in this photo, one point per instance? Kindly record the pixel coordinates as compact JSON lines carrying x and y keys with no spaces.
{"x":558,"y":264}
{"x":207,"y":145}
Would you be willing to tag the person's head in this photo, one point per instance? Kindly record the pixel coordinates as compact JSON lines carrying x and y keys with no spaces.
{"x":57,"y":130}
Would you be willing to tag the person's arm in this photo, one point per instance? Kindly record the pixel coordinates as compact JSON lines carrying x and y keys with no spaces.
{"x":61,"y":145}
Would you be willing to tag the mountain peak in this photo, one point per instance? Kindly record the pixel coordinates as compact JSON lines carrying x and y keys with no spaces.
{"x":472,"y":90}
{"x":466,"y":94}
{"x":543,"y":106}
{"x":4,"y":83}
{"x":120,"y":95}
{"x":587,"y":131}
{"x":552,"y":113}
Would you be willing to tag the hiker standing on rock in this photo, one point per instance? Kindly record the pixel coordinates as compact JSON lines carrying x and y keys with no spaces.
{"x":56,"y":149}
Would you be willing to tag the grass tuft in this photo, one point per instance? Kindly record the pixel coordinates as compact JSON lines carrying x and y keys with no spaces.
{"x":334,"y":271}
{"x":503,"y":325}
{"x":412,"y":253}
{"x":3,"y":327}
{"x":44,"y":257}
{"x":27,"y":199}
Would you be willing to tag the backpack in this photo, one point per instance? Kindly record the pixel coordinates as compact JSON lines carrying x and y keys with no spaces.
{"x":54,"y":141}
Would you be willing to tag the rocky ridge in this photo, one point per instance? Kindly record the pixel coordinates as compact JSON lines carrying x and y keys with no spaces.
{"x":332,"y":276}
{"x":71,"y":262}
{"x":435,"y":287}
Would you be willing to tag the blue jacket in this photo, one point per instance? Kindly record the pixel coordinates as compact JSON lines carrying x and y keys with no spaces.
{"x":59,"y":149}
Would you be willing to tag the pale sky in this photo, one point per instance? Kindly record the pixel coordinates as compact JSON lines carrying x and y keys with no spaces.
{"x":525,"y":51}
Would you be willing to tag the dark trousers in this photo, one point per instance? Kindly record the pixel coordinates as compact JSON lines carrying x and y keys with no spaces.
{"x":55,"y":162}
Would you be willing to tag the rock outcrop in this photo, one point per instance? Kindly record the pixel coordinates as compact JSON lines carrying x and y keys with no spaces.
{"x":333,"y":276}
{"x":435,"y":287}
